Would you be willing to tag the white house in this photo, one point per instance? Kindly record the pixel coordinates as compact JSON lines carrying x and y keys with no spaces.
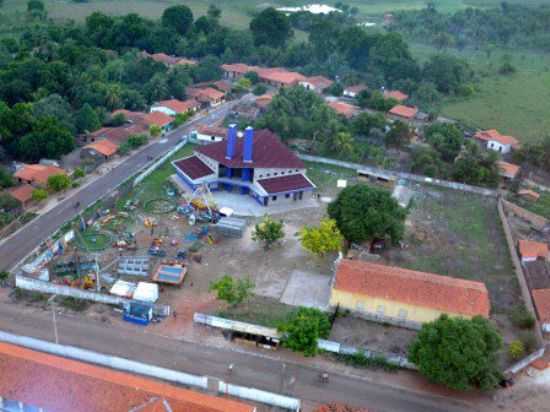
{"x":496,"y":141}
{"x":316,"y":83}
{"x":210,"y":134}
{"x":173,"y":106}
{"x":353,"y":91}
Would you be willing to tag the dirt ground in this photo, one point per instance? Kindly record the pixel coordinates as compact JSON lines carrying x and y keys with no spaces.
{"x":375,"y":336}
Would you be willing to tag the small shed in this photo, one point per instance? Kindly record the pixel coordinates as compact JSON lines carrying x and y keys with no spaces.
{"x":147,"y":292}
{"x":231,"y":227}
{"x":123,"y":289}
{"x":138,"y":312}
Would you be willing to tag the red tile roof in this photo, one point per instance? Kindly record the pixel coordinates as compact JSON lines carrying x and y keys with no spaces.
{"x":193,"y":167}
{"x":186,"y":62}
{"x":59,"y":384}
{"x":493,"y":134}
{"x":541,"y":298}
{"x":406,"y":112}
{"x":179,"y":106}
{"x":319,"y":82}
{"x":285,"y":183}
{"x":104,"y":147}
{"x":268,"y":151}
{"x":134,"y":117}
{"x":223,"y":85}
{"x":157,"y":118}
{"x":239,"y":68}
{"x":339,"y":407}
{"x":22,"y":193}
{"x":506,"y":169}
{"x":396,"y":94}
{"x":264,"y":100}
{"x":212,"y":130}
{"x":280,"y":75}
{"x":443,"y":293}
{"x":345,"y":109}
{"x":37,"y":173}
{"x":120,"y":134}
{"x":529,"y":193}
{"x":207,"y":94}
{"x":532,"y":249}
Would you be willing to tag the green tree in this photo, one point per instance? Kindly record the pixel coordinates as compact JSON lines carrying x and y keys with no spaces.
{"x":178,"y":18}
{"x":242,"y":85}
{"x":6,"y":180}
{"x":363,"y":213}
{"x":87,"y":119}
{"x":459,"y":353}
{"x":39,"y":194}
{"x":399,"y":134}
{"x":181,"y":118}
{"x":447,"y":72}
{"x":233,"y":291}
{"x":79,"y":173}
{"x":253,"y":77}
{"x":303,"y":329}
{"x":447,"y":139}
{"x":155,"y":130}
{"x":475,"y":167}
{"x":322,"y":239}
{"x":57,"y":183}
{"x":271,"y":28}
{"x":48,"y":139}
{"x":259,"y":89}
{"x":516,"y":350}
{"x":268,"y":231}
{"x":426,"y":161}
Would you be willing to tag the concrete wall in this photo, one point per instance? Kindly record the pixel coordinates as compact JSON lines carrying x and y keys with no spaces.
{"x":537,"y":221}
{"x":257,"y":395}
{"x":518,"y":269}
{"x":402,"y":175}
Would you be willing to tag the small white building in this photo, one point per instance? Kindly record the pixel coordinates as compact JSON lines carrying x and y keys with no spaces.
{"x":316,"y":83}
{"x":496,"y":141}
{"x":173,"y":106}
{"x":353,"y":91}
{"x":210,"y":134}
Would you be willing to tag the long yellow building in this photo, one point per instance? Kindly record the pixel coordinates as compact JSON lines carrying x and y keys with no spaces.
{"x":403,"y":296}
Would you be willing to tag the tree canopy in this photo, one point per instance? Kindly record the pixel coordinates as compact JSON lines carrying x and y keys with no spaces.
{"x":459,"y":353}
{"x":322,"y":239}
{"x":303,"y":329}
{"x":363,"y":213}
{"x":271,"y":28}
{"x":233,"y":291}
{"x":178,"y":18}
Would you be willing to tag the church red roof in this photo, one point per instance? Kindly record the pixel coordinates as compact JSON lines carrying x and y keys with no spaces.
{"x":285,"y":183}
{"x":268,"y":152}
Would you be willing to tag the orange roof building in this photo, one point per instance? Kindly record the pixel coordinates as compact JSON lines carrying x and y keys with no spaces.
{"x":353,"y":91}
{"x":54,"y":383}
{"x":263,"y":101}
{"x":159,"y":119}
{"x":496,"y":141}
{"x":23,"y":193}
{"x":279,"y":77}
{"x":404,"y":112}
{"x":396,"y":95}
{"x":408,"y":297}
{"x":344,"y":109}
{"x":207,"y":95}
{"x":529,"y":194}
{"x":530,"y":250}
{"x":104,"y":148}
{"x":508,"y":170}
{"x":541,"y":299}
{"x":37,"y":174}
{"x":316,"y":83}
{"x":174,"y":106}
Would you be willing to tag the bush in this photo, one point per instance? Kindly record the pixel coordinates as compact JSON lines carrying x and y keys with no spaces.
{"x":359,"y":360}
{"x":57,"y":183}
{"x":124,"y":149}
{"x":529,"y":341}
{"x":303,"y":328}
{"x":75,"y":184}
{"x":4,"y":275}
{"x":78,"y":173}
{"x":39,"y":194}
{"x":522,"y":318}
{"x":516,"y":350}
{"x":259,"y":89}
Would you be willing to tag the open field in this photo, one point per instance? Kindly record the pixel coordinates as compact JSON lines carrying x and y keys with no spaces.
{"x":540,"y":207}
{"x":516,"y":104}
{"x":457,"y":234}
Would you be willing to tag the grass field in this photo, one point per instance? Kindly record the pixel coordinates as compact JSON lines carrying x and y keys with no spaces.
{"x":540,"y":207}
{"x":516,"y":104}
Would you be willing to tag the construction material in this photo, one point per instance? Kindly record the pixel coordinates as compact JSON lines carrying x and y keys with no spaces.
{"x":231,"y":227}
{"x":123,"y":289}
{"x":134,"y":266}
{"x":170,"y":274}
{"x":147,"y":292}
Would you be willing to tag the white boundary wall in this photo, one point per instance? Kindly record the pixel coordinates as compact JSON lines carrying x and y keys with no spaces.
{"x":257,"y":395}
{"x":160,"y":161}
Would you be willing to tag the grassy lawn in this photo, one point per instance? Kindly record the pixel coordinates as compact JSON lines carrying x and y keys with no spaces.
{"x":540,"y":207}
{"x":325,"y":176}
{"x":260,"y":310}
{"x":154,"y":185}
{"x":516,"y":104}
{"x":460,"y":235}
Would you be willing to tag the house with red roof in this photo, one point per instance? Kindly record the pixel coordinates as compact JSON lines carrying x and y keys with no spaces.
{"x":507,"y":170}
{"x":100,"y":150}
{"x":316,"y":83}
{"x":22,"y":193}
{"x":173,"y":107}
{"x":353,"y":91}
{"x":405,"y":297}
{"x":208,"y":96}
{"x":493,"y":140}
{"x":209,"y":134}
{"x":403,"y":112}
{"x":37,"y":381}
{"x":159,"y":119}
{"x":257,"y":165}
{"x":345,"y":109}
{"x":396,"y":95}
{"x":37,"y":174}
{"x":530,"y":250}
{"x":541,"y":300}
{"x":236,"y":70}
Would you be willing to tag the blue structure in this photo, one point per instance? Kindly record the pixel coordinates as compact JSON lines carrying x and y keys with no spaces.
{"x":139,"y":313}
{"x":257,"y":164}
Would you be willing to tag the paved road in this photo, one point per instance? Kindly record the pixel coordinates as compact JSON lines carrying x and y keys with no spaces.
{"x":250,"y":370}
{"x":31,"y":235}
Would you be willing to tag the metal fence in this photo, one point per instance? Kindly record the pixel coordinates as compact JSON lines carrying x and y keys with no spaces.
{"x":400,"y":175}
